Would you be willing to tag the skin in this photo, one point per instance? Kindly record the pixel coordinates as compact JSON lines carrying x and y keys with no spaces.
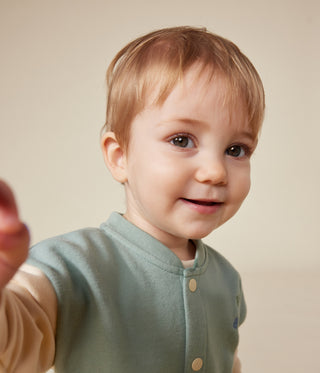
{"x":187,"y":168}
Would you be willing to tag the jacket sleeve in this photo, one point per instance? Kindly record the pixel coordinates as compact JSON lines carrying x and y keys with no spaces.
{"x":28,"y":311}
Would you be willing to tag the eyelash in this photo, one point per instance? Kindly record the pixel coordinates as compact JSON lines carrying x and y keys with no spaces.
{"x":247,"y":150}
{"x":181,"y":136}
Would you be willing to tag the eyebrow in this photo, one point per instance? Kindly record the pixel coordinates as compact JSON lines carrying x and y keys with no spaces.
{"x":183,"y":120}
{"x":193,"y":122}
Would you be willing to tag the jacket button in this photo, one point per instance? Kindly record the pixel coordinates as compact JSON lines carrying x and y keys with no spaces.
{"x":193,"y":285}
{"x":197,"y":364}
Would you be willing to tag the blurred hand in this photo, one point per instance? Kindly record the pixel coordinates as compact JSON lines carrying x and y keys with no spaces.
{"x":14,"y":236}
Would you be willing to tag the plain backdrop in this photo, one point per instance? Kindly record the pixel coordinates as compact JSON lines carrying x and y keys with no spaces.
{"x":54,"y":55}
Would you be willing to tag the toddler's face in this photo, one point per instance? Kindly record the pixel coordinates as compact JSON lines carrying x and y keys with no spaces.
{"x":188,"y":162}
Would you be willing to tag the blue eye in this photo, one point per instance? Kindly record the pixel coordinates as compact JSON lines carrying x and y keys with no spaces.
{"x":182,"y":141}
{"x":237,"y":151}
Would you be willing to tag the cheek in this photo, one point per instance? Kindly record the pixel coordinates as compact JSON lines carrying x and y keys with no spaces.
{"x":165,"y":169}
{"x":246,"y":187}
{"x":241,"y":187}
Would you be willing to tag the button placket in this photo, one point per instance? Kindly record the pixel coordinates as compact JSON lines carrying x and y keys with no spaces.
{"x":195,"y":324}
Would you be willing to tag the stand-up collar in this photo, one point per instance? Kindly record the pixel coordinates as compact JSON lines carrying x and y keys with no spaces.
{"x":147,"y":245}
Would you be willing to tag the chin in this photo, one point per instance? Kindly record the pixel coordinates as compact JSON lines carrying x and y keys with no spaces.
{"x":202,"y":232}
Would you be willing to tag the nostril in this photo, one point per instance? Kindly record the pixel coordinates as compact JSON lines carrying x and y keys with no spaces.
{"x":213,"y":175}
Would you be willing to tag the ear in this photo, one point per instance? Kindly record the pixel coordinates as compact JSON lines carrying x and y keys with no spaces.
{"x":114,"y":157}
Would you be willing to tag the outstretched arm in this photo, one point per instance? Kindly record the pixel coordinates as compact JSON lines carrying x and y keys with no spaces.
{"x":28,"y":304}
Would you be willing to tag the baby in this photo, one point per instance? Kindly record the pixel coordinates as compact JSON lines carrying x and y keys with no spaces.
{"x":143,"y":292}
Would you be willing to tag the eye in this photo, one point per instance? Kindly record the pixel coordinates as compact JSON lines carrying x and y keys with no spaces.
{"x":238,"y":151}
{"x":182,"y":141}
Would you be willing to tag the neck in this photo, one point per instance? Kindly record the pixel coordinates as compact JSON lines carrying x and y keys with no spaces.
{"x":183,"y":248}
{"x":187,"y":252}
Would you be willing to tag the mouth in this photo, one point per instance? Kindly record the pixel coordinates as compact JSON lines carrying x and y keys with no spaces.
{"x":203,"y":206}
{"x":202,"y":202}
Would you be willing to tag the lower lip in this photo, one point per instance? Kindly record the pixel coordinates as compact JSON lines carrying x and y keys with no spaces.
{"x":203,"y":209}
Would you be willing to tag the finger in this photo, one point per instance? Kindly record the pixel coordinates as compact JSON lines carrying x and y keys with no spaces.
{"x":14,"y":251}
{"x":9,"y":219}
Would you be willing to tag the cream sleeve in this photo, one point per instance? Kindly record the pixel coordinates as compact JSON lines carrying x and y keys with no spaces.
{"x":28,"y":312}
{"x":236,"y":363}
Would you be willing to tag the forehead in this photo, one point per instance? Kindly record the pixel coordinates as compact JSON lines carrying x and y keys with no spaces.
{"x":201,"y":94}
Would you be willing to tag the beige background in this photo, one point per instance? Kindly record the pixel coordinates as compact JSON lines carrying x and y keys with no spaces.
{"x":52,"y":92}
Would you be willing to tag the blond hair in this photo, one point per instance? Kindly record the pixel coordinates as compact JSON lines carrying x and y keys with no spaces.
{"x":160,"y":59}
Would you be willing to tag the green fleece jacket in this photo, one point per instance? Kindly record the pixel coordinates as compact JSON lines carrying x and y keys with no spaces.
{"x":127,"y":304}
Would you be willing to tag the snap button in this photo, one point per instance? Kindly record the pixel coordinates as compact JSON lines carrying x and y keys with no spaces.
{"x":197,"y":364}
{"x":193,"y":285}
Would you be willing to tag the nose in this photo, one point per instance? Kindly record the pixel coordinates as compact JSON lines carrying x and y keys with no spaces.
{"x":212,"y":171}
